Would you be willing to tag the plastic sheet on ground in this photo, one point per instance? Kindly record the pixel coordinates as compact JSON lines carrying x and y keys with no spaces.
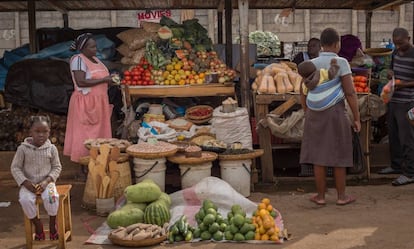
{"x":188,"y":201}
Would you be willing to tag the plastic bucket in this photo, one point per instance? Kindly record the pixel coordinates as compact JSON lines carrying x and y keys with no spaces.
{"x":237,"y":174}
{"x":153,"y":169}
{"x":194,"y":173}
{"x":105,"y":206}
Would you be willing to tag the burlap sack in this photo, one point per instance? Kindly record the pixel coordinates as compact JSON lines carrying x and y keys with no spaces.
{"x":136,"y":57}
{"x":124,"y":50}
{"x":127,"y":61}
{"x":140,"y":42}
{"x":150,"y":27}
{"x":129,"y":35}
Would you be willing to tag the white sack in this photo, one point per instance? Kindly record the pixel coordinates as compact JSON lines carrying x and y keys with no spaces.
{"x":232,"y":127}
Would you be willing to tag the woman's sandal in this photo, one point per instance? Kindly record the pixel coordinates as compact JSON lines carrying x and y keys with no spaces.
{"x":55,"y":235}
{"x":315,"y":200}
{"x":348,"y":200}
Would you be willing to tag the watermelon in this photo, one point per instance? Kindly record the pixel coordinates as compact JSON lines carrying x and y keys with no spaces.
{"x":165,"y":33}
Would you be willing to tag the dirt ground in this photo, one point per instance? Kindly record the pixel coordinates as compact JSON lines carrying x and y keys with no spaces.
{"x":382,"y":218}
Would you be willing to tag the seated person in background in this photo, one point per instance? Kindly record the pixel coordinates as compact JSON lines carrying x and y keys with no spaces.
{"x":314,"y":47}
{"x":313,"y":77}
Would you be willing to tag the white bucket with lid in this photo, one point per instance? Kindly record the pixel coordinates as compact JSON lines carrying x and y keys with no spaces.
{"x":153,"y":169}
{"x":194,"y":173}
{"x":237,"y":173}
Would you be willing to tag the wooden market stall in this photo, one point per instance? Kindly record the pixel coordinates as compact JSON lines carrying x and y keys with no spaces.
{"x":226,"y":6}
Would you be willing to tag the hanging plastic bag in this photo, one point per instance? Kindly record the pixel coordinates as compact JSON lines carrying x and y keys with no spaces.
{"x":358,"y":156}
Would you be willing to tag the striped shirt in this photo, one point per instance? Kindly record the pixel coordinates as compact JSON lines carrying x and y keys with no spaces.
{"x":403,"y":67}
{"x":35,"y":163}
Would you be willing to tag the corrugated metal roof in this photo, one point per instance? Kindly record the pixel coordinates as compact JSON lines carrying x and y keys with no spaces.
{"x":78,"y":5}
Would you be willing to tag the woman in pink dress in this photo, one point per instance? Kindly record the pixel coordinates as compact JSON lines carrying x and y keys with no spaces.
{"x":89,"y":114}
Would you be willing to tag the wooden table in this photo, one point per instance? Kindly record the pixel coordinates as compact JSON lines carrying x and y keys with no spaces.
{"x":203,"y":90}
{"x":261,"y":109}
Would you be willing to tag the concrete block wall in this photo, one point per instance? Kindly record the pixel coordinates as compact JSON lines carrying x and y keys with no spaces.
{"x":299,"y":26}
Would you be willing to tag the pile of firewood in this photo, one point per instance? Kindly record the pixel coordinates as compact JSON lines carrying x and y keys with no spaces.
{"x":15,"y":127}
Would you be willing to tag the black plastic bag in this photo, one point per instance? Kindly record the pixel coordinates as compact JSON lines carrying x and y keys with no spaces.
{"x":358,"y":156}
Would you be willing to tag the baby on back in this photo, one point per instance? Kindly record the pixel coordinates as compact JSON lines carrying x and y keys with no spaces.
{"x":313,"y":77}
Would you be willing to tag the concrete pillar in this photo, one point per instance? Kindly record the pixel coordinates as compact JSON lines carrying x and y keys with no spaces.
{"x":307,"y":25}
{"x":113,"y":18}
{"x":354,"y":29}
{"x":211,"y":23}
{"x":17,"y":29}
{"x":259,"y":20}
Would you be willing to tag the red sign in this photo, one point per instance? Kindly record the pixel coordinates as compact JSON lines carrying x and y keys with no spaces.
{"x":152,"y":15}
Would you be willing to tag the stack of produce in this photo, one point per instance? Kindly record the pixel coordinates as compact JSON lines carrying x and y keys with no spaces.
{"x":15,"y":127}
{"x":139,"y":231}
{"x":268,"y":44}
{"x":263,"y":219}
{"x":134,"y":41}
{"x":146,"y":203}
{"x":240,"y":228}
{"x":277,"y":78}
{"x":180,"y":231}
{"x":181,"y":55}
{"x":211,"y":224}
{"x":360,"y":84}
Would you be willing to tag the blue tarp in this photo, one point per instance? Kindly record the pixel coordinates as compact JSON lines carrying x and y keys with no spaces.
{"x":105,"y":47}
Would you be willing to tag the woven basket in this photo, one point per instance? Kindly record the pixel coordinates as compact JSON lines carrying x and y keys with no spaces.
{"x":152,"y":155}
{"x":245,"y":156}
{"x":136,"y":243}
{"x":206,"y":156}
{"x":198,"y":121}
{"x":125,"y":179}
{"x":122,"y":158}
{"x":89,"y":194}
{"x":191,"y":117}
{"x":378,"y":51}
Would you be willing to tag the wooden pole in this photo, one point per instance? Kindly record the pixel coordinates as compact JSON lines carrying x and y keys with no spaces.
{"x":244,"y":54}
{"x":219,"y":27}
{"x":228,"y":10}
{"x":31,"y":7}
{"x":368,"y":16}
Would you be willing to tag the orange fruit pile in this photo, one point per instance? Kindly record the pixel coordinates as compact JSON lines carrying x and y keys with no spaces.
{"x":263,"y":219}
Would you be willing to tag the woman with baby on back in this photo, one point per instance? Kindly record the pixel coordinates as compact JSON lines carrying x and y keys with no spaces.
{"x":327,"y":135}
{"x":36,"y":167}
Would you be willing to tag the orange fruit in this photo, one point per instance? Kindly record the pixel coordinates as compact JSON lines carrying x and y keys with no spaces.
{"x":261,"y":206}
{"x":266,"y":201}
{"x":264,"y":237}
{"x":263,"y":212}
{"x":269,"y":208}
{"x":274,"y":237}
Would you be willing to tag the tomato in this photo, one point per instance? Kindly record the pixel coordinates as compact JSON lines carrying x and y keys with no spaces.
{"x":139,"y":82}
{"x":135,"y":72}
{"x":135,"y":77}
{"x":127,"y":73}
{"x":134,"y":82}
{"x":123,"y":81}
{"x":140,"y":69}
{"x":147,"y":73}
{"x":151,"y":82}
{"x":127,"y":77}
{"x":128,"y":82}
{"x":147,"y":78}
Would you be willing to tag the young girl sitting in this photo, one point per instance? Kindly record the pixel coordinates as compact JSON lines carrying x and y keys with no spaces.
{"x":35,"y":167}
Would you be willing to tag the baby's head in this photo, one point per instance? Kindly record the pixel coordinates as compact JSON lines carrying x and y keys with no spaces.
{"x":39,"y":129}
{"x":306,"y":68}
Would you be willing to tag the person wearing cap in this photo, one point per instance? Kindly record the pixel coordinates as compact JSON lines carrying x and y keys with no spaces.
{"x":89,"y":114}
